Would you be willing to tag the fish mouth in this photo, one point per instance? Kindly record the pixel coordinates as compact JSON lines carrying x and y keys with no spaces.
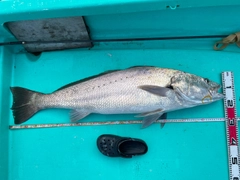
{"x":218,"y":96}
{"x":217,"y":87}
{"x":211,"y":98}
{"x":214,"y":93}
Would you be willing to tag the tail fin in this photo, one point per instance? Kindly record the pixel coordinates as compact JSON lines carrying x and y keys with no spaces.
{"x":24,"y":105}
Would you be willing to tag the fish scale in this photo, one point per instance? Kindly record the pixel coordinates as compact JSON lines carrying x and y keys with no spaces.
{"x":101,"y":92}
{"x":148,"y":91}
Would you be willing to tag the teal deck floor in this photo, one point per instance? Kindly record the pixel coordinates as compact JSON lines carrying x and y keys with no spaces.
{"x":182,"y":151}
{"x":178,"y":151}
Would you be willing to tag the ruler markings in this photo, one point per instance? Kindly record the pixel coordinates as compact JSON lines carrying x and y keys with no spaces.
{"x":231,"y":125}
{"x":32,"y":126}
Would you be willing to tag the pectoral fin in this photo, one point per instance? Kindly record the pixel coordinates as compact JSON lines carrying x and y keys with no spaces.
{"x":77,"y":114}
{"x":157,"y":90}
{"x":148,"y":120}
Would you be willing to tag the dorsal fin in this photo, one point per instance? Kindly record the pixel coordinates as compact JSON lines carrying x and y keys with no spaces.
{"x":95,"y":76}
{"x":139,"y":67}
{"x":86,"y":79}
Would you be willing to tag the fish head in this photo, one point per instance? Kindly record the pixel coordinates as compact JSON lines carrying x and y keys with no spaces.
{"x":195,"y":89}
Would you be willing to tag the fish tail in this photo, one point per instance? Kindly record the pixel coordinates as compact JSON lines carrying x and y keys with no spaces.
{"x":24,"y":104}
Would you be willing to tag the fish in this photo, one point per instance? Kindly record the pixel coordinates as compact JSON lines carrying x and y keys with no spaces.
{"x":148,"y":91}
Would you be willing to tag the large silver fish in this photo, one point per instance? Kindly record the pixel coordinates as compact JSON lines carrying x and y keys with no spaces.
{"x":147,"y":91}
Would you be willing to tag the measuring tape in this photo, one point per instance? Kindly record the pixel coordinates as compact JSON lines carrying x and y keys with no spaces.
{"x":101,"y":123}
{"x":231,"y":125}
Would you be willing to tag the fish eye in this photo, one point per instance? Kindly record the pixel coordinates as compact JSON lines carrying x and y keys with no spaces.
{"x":206,"y":80}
